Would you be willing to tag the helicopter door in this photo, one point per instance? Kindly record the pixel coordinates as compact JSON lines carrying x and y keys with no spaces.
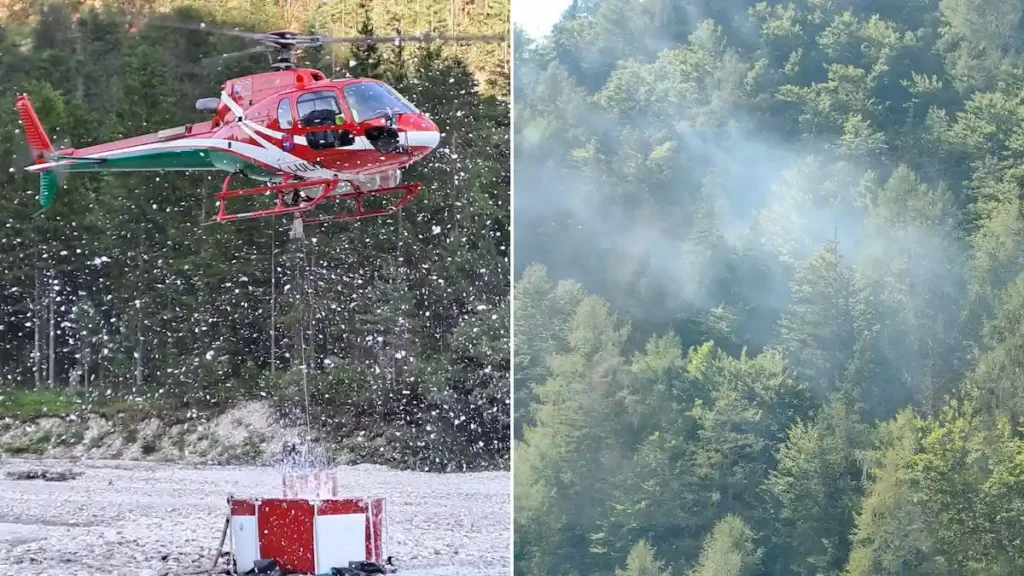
{"x":322,"y":108}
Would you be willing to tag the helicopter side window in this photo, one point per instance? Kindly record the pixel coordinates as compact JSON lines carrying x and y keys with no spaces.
{"x":322,"y":108}
{"x":369,"y":100}
{"x":284,"y":114}
{"x":319,"y":109}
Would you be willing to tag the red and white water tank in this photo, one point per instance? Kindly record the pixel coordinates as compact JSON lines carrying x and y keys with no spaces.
{"x":307,"y":535}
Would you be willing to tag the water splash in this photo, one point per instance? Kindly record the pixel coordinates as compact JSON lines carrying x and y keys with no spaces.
{"x":319,"y":485}
{"x":307,"y":470}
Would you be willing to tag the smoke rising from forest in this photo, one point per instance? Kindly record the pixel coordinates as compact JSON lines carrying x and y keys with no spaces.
{"x":809,"y":189}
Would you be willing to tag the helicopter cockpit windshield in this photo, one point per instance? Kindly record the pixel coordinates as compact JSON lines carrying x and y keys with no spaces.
{"x":321,"y":108}
{"x":369,"y":100}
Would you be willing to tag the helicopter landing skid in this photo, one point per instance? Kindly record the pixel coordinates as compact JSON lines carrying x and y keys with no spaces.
{"x":292,"y":199}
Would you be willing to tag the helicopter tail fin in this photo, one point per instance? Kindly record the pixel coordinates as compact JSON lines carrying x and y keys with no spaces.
{"x":42,"y":149}
{"x":35,"y":135}
{"x":47,"y":188}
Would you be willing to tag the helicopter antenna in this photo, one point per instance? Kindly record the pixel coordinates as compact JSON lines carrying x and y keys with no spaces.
{"x":281,"y":44}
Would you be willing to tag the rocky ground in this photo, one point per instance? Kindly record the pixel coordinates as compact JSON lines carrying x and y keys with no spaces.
{"x":149,"y":518}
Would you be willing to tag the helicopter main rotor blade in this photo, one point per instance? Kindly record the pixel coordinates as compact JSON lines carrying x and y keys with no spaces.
{"x":284,"y":42}
{"x":230,"y":55}
{"x":284,"y":38}
{"x":409,"y":39}
{"x":204,"y":28}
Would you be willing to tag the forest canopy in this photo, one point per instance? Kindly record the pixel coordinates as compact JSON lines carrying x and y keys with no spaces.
{"x":768,"y":289}
{"x":119,"y":298}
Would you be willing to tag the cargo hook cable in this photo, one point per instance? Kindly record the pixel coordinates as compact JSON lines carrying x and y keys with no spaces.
{"x":304,"y":271}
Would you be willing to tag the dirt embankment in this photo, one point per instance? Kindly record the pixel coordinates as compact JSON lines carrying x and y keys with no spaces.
{"x":246,"y":434}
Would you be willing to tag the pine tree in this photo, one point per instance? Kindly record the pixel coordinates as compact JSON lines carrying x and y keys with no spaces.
{"x":892,"y":536}
{"x":729,"y":550}
{"x":642,"y":562}
{"x":817,"y":333}
{"x":366,"y":58}
{"x":815,"y":492}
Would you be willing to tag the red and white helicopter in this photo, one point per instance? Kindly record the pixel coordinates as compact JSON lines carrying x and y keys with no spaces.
{"x":310,"y":139}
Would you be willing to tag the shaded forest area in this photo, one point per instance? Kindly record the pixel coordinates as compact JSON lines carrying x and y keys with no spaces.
{"x":769,"y":291}
{"x":118,"y":298}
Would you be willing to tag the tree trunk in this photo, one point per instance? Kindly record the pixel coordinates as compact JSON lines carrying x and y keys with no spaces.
{"x":138,"y":321}
{"x":138,"y":354}
{"x":53,"y":335}
{"x":36,"y":367}
{"x":85,"y":365}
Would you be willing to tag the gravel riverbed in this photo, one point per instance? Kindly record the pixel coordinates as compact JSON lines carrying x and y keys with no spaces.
{"x":149,"y":519}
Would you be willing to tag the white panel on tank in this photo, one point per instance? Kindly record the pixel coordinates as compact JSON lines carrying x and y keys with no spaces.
{"x":246,"y":542}
{"x":339,"y":539}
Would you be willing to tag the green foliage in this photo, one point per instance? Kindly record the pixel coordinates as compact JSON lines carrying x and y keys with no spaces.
{"x":892,"y":535}
{"x":815,"y":491}
{"x":809,"y":215}
{"x":641,"y":562}
{"x":818,"y":333}
{"x":729,"y":550}
{"x":684,"y":438}
{"x":26,"y":405}
{"x":968,"y":476}
{"x":543,"y":310}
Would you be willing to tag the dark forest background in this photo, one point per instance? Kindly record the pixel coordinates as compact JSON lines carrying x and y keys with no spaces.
{"x":768,"y":299}
{"x":118,"y":299}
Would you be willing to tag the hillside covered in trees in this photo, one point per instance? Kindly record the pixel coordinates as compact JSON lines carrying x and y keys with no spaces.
{"x":119,"y":298}
{"x":769,"y":291}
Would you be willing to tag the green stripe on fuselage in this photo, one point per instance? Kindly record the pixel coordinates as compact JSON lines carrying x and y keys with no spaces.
{"x":158,"y":160}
